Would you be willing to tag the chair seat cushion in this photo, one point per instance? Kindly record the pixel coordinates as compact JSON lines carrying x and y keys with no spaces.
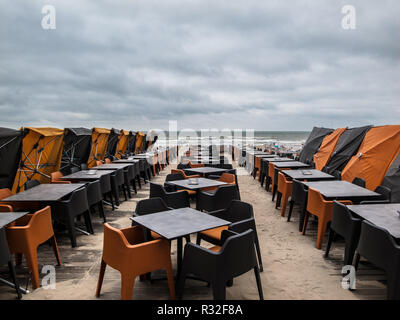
{"x":214,"y":233}
{"x":215,"y":248}
{"x":155,"y":235}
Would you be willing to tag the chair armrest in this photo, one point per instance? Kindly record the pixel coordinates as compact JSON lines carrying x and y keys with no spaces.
{"x":193,"y":176}
{"x":374,"y":201}
{"x":218,"y":214}
{"x":242,"y":225}
{"x":226,"y":234}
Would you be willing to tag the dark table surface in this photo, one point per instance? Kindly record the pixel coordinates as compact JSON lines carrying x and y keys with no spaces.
{"x":126,"y":161}
{"x":44,"y":192}
{"x":277,"y":159}
{"x":84,"y":175}
{"x":341,"y":190}
{"x":177,"y":223}
{"x":381,"y":215}
{"x":112,"y":166}
{"x":290,"y":164}
{"x":203,"y":183}
{"x":313,"y":174}
{"x":205,"y":170}
{"x":7,"y":217}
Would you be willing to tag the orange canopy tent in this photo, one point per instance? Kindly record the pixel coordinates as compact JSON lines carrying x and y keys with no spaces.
{"x":327,"y":147}
{"x":41,"y":155}
{"x":99,"y":145}
{"x":377,"y":152}
{"x":122,"y":144}
{"x":140,"y":141}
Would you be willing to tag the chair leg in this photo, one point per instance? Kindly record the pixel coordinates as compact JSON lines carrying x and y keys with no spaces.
{"x":357,"y":261}
{"x":128,"y":190}
{"x":273,"y":192}
{"x":101,"y":211}
{"x":198,"y":240}
{"x":171,"y":282}
{"x":257,"y":244}
{"x":14,"y":279}
{"x":278,"y":200}
{"x":349,"y":251}
{"x":259,"y":285}
{"x":88,"y":222}
{"x":18,"y":259}
{"x":303,"y":213}
{"x":101,"y":277}
{"x":219,"y":290}
{"x":134,"y":186}
{"x":330,"y":240}
{"x":31,"y":261}
{"x":127,"y":284}
{"x":322,"y":225}
{"x":138,"y":180}
{"x":180,"y":285}
{"x":291,"y":205}
{"x":305,"y":222}
{"x":285,"y":198}
{"x":53,"y":242}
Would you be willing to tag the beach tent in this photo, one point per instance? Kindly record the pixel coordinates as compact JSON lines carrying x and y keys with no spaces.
{"x":377,"y":153}
{"x":347,"y":145}
{"x":313,"y":143}
{"x":112,"y":143}
{"x":140,"y":142}
{"x":10,"y":154}
{"x":131,"y":149}
{"x":122,"y":145}
{"x":327,"y":147}
{"x":77,"y":145}
{"x":392,"y":179}
{"x":99,"y":145}
{"x":41,"y":155}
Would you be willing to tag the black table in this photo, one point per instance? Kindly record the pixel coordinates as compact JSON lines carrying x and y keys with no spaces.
{"x":313,"y":175}
{"x":84,"y":175}
{"x":342,"y":190}
{"x":178,"y":223}
{"x":381,"y":215}
{"x":290,"y":164}
{"x":46,"y":192}
{"x":126,"y":161}
{"x":205,"y":170}
{"x":203,"y":183}
{"x":112,"y":166}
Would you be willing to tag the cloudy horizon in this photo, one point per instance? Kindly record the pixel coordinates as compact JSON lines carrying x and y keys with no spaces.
{"x":135,"y":65}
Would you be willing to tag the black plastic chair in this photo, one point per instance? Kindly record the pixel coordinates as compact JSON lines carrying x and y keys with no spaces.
{"x":176,"y":200}
{"x":300,"y":197}
{"x":346,"y":225}
{"x":136,"y":172}
{"x":172,"y":177}
{"x":182,"y":166}
{"x":378,"y":247}
{"x":386,"y":196}
{"x":106,"y":190}
{"x":242,"y":217}
{"x":236,"y":257}
{"x":65,"y":212}
{"x":337,"y":174}
{"x":95,"y":197}
{"x":31,"y":184}
{"x":129,"y":179}
{"x":359,"y":182}
{"x":231,"y":171}
{"x":75,"y":169}
{"x":5,"y":259}
{"x":118,"y":183}
{"x":220,"y":199}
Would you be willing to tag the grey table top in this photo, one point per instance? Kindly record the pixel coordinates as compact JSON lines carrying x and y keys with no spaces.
{"x":341,"y":190}
{"x":290,"y":164}
{"x":85,"y":175}
{"x":7,"y":217}
{"x":177,"y":223}
{"x":277,"y":159}
{"x":307,"y":174}
{"x":203,"y":183}
{"x":44,"y":192}
{"x":385,"y":216}
{"x":126,"y":161}
{"x":204,"y":170}
{"x":112,"y":166}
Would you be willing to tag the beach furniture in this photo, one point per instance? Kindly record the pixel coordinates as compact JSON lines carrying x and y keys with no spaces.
{"x":216,"y":199}
{"x":99,"y":146}
{"x":177,"y":199}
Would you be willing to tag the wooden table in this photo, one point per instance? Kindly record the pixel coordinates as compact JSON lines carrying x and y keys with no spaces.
{"x":385,"y":216}
{"x":307,"y":174}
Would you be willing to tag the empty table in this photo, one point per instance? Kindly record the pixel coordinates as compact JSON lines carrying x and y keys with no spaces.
{"x":205,"y":170}
{"x":112,"y":166}
{"x":290,"y":164}
{"x":342,"y":190}
{"x":86,"y":175}
{"x":126,"y":161}
{"x":307,"y":174}
{"x":202,"y":183}
{"x":177,"y":223}
{"x":385,"y":216}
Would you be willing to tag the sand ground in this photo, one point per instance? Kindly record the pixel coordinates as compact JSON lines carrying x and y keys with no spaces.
{"x":293,"y":267}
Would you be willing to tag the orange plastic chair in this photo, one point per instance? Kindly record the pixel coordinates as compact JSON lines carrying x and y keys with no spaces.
{"x":284,"y":192}
{"x":271,"y":175}
{"x":228,"y":178}
{"x":5,"y":193}
{"x":126,"y":251}
{"x":56,"y":178}
{"x":318,"y":206}
{"x":27,"y":234}
{"x":99,"y":163}
{"x":195,"y":165}
{"x":108,"y":160}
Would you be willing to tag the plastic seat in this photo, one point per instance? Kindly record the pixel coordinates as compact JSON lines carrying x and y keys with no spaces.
{"x":176,"y":200}
{"x":99,"y":163}
{"x":241,"y":216}
{"x":386,"y":196}
{"x":378,"y":247}
{"x":300,"y":197}
{"x":174,"y":171}
{"x":220,"y":265}
{"x":218,"y":200}
{"x":126,"y":251}
{"x":318,"y":206}
{"x":284,"y":192}
{"x":56,"y":178}
{"x":95,"y":197}
{"x":26,"y":234}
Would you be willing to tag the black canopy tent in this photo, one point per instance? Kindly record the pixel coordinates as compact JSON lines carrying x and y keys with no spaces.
{"x":313,"y":143}
{"x":392,"y":179}
{"x":10,"y":154}
{"x":132,"y":143}
{"x":347,"y":146}
{"x":77,"y":146}
{"x":112,"y":143}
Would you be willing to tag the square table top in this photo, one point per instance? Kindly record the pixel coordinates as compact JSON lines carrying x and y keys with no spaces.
{"x":85,"y":175}
{"x":205,"y":170}
{"x":112,"y":166}
{"x":341,"y":190}
{"x":277,"y":159}
{"x":177,"y":223}
{"x":7,"y":217}
{"x":385,"y":216}
{"x":290,"y":164}
{"x":313,"y":174}
{"x":126,"y":161}
{"x":44,"y":192}
{"x":203,"y":183}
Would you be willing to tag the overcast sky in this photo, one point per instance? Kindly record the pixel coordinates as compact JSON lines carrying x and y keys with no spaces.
{"x":265,"y":65}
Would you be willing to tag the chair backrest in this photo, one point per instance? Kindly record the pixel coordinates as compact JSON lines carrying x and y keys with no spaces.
{"x":41,"y":226}
{"x":336,"y":173}
{"x":281,"y":181}
{"x":107,"y":160}
{"x":152,"y":205}
{"x":79,"y":201}
{"x":316,"y":203}
{"x":342,"y":219}
{"x":299,"y":192}
{"x":174,"y":177}
{"x":99,"y":163}
{"x":228,"y":178}
{"x":74,"y":169}
{"x":224,"y":196}
{"x":182,"y":166}
{"x":227,"y":166}
{"x":5,"y":193}
{"x":385,"y":192}
{"x":359,"y":182}
{"x":31,"y":183}
{"x":119,"y":174}
{"x":238,"y":254}
{"x":238,"y":211}
{"x":105,"y":183}
{"x":157,"y":191}
{"x":94,"y":194}
{"x":84,"y":166}
{"x":55,"y":176}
